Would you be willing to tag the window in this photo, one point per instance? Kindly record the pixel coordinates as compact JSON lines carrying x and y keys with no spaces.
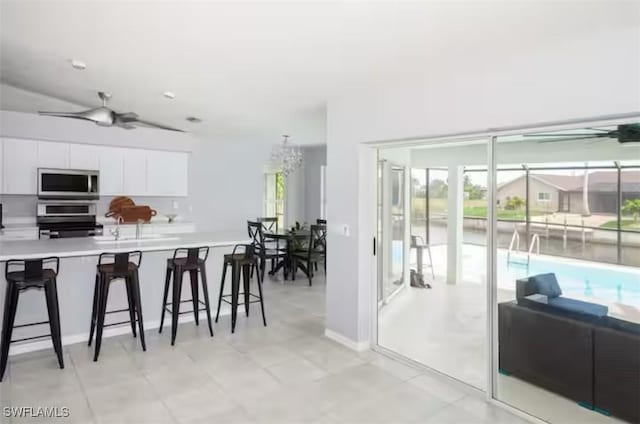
{"x":274,"y":196}
{"x":543,"y":196}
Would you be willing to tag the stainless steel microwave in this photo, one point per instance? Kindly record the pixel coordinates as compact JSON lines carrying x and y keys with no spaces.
{"x":71,"y":184}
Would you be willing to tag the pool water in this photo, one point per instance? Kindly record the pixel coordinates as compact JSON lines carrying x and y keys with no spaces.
{"x":578,"y":278}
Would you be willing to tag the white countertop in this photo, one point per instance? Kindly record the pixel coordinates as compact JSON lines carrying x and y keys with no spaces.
{"x":87,"y":246}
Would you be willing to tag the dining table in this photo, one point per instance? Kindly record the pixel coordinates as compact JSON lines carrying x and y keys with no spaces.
{"x":290,"y":238}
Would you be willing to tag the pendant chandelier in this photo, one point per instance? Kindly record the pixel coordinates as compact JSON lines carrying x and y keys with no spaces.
{"x":288,"y":157}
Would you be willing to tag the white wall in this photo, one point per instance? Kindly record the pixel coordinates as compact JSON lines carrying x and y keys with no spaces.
{"x":565,"y":72}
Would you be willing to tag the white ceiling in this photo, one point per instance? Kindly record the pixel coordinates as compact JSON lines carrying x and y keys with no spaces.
{"x":262,"y":67}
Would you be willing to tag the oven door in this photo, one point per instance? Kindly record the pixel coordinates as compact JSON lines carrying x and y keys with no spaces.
{"x":68,"y":184}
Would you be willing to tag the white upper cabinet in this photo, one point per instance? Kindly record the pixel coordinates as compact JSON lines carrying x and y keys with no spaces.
{"x":167,"y":173}
{"x":84,"y":156}
{"x":135,"y":172}
{"x":19,"y":166}
{"x":123,"y":171}
{"x":53,"y":155}
{"x":110,"y":164}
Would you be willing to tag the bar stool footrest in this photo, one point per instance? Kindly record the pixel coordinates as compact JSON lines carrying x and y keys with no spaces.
{"x":30,"y":338}
{"x":239,"y":296}
{"x":119,"y":323}
{"x":31,"y":324}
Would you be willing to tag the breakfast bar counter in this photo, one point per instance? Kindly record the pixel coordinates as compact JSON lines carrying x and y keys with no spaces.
{"x":93,"y":246}
{"x":76,"y":278}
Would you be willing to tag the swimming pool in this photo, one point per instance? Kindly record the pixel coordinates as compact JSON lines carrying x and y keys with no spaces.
{"x":578,"y":278}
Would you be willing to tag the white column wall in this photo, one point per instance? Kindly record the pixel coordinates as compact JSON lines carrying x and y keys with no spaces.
{"x":454,"y":225}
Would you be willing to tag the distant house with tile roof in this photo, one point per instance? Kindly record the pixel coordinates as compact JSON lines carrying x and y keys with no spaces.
{"x":564,"y":193}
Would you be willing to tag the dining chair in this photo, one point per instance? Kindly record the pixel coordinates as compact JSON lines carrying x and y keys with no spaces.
{"x":262,"y":250}
{"x":270,"y":225}
{"x":316,"y":251}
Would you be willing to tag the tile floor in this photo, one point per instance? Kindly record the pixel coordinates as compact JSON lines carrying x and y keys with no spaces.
{"x":445,"y":329}
{"x":287,"y":372}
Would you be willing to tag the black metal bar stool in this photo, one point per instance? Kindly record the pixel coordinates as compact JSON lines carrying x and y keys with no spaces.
{"x":114,"y":266}
{"x":186,"y":260}
{"x":22,"y":275}
{"x":246,"y":261}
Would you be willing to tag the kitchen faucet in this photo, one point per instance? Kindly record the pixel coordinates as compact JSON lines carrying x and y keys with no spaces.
{"x":139,"y":228}
{"x":116,"y":232}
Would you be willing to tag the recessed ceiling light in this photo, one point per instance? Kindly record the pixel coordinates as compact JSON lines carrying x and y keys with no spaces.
{"x":169,"y":95}
{"x":194,"y":120}
{"x":78,"y":64}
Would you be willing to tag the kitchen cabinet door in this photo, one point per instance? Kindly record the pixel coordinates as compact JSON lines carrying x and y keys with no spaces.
{"x":166,"y":173}
{"x":53,"y":155}
{"x":84,"y":156}
{"x":19,"y":166}
{"x":135,"y":172}
{"x":110,"y":164}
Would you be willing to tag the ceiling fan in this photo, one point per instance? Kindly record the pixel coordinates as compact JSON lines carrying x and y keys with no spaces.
{"x":106,"y":117}
{"x":625,"y":133}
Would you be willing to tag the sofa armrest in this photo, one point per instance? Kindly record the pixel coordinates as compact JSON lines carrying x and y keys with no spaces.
{"x":525,"y":287}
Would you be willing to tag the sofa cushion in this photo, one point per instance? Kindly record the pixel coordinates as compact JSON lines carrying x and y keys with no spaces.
{"x":547,"y":284}
{"x":578,"y":306}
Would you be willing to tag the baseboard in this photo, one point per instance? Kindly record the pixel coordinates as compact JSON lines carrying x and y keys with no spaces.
{"x":345,"y":341}
{"x":20,"y":348}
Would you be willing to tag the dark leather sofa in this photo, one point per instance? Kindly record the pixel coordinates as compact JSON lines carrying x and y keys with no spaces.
{"x":571,"y":347}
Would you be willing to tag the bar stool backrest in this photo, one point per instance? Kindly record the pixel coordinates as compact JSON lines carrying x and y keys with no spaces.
{"x":248,"y":253}
{"x":321,"y":221}
{"x":121,"y":261}
{"x":193,"y":254}
{"x":33,"y":268}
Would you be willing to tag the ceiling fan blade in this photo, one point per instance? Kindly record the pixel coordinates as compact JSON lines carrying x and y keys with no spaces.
{"x":75,"y":115}
{"x":569,"y":135}
{"x":125,"y":125}
{"x":160,"y":126}
{"x":126,"y":117}
{"x":563,"y":139}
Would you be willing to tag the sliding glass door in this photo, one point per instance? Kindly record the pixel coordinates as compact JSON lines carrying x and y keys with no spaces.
{"x":392,"y":229}
{"x":511,"y":263}
{"x":432,"y":288}
{"x":567,"y":282}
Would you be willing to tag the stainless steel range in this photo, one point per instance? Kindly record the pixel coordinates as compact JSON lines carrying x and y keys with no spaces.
{"x":64,"y":220}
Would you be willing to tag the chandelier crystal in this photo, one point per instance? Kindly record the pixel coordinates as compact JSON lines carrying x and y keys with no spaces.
{"x":287,"y":156}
